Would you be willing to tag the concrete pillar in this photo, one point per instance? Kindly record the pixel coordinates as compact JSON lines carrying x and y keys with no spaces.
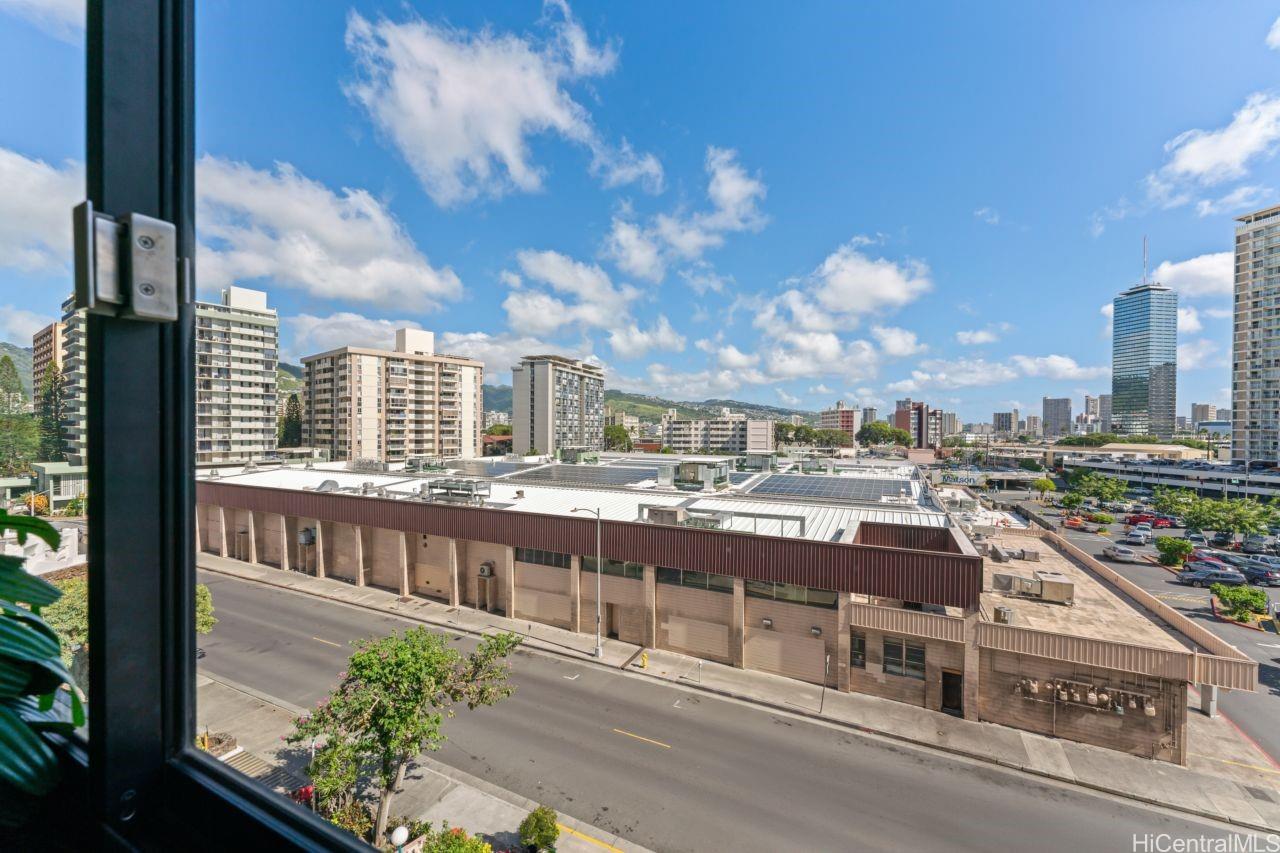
{"x":318,"y":547}
{"x":200,"y":510}
{"x":455,"y":592}
{"x":649,"y":633}
{"x":285,"y":543}
{"x":253,"y":538}
{"x":738,"y":624}
{"x":359,"y":537}
{"x":575,"y":593}
{"x":843,"y":619}
{"x":1208,"y":699}
{"x":404,"y":564}
{"x":509,"y":583}
{"x":972,"y":658}
{"x":222,"y":531}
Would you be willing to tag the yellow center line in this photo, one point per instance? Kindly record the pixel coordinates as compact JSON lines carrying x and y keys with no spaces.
{"x":587,"y":838}
{"x":1236,"y":763}
{"x":645,"y":739}
{"x":327,"y":642}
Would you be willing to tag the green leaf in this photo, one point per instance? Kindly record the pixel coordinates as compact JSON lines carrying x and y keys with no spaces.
{"x":16,"y":585}
{"x":26,"y":761}
{"x":23,"y":640}
{"x":51,"y":719}
{"x":14,"y":677}
{"x":26,"y":525}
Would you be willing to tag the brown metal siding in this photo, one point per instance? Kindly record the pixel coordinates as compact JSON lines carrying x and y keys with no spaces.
{"x":906,"y":536}
{"x":953,"y":580}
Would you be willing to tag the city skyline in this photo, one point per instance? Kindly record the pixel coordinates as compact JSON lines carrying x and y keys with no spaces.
{"x":692,"y":256}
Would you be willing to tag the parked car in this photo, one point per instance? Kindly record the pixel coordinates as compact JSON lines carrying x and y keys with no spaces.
{"x":1223,"y":539}
{"x":1195,"y":537}
{"x":1202,"y":573}
{"x":1137,"y":537}
{"x":1207,"y":555}
{"x":1260,"y":574}
{"x":1120,"y":554}
{"x":1236,"y":561}
{"x":1139,"y":518}
{"x":1254,"y":545}
{"x":1263,"y":560}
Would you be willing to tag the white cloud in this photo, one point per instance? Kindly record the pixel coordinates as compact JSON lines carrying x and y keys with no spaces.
{"x":17,"y":325}
{"x":460,"y":106}
{"x":500,"y":351}
{"x":789,"y":399}
{"x":35,"y":212}
{"x":820,"y":389}
{"x":1219,"y":313}
{"x":663,"y":381}
{"x":896,"y":342}
{"x":631,"y":341}
{"x":310,"y":335}
{"x":679,"y":237}
{"x":1198,"y":159}
{"x":732,"y":358}
{"x":976,"y":337}
{"x":989,"y":215}
{"x":957,"y":373}
{"x":1203,"y":275}
{"x":598,"y":303}
{"x":1196,"y":354}
{"x":510,"y":279}
{"x":62,"y":19}
{"x":1057,"y":367}
{"x":703,"y":279}
{"x":1189,"y":321}
{"x":1238,"y":199}
{"x":1273,"y":35}
{"x":298,"y":233}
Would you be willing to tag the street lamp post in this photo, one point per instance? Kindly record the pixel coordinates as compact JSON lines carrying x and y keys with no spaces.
{"x":599,"y":572}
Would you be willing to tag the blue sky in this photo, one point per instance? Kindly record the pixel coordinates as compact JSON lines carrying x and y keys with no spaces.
{"x":713,"y":200}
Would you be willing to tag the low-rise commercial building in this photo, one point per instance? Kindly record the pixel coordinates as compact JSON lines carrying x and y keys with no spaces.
{"x":858,"y":580}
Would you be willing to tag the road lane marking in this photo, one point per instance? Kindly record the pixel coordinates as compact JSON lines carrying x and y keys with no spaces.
{"x":573,"y":677}
{"x":1269,"y":645}
{"x":1236,"y":763}
{"x":326,"y":642}
{"x":604,"y":845}
{"x":645,"y":739}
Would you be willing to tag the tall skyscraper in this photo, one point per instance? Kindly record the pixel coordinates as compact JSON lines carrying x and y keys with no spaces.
{"x":870,"y":415}
{"x":1104,"y":412}
{"x":1255,"y":416}
{"x":391,"y":405}
{"x":1144,"y":360}
{"x":1003,"y":423}
{"x":1056,"y":412}
{"x":237,"y":351}
{"x":1034,"y":424}
{"x":46,"y":349}
{"x":1091,"y":407}
{"x":556,"y":402}
{"x":74,"y":376}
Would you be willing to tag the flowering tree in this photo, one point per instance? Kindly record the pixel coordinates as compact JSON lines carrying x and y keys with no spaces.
{"x":390,"y":706}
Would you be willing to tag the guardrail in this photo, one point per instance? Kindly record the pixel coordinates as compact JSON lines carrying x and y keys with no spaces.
{"x":1107,"y":654}
{"x":911,"y":622}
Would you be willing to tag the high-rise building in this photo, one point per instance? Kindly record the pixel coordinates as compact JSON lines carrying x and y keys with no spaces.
{"x":74,"y":378}
{"x":1104,"y":413}
{"x":870,"y":415}
{"x":1003,"y":423}
{"x":1034,"y":424}
{"x":391,"y":405}
{"x":732,"y":432}
{"x":630,"y":423}
{"x":1091,"y":407}
{"x":557,"y":402}
{"x":841,"y":417}
{"x":1203,"y":412}
{"x":914,"y":418}
{"x":496,"y":418}
{"x":1056,"y":412}
{"x":1255,"y":351}
{"x":1144,"y":360}
{"x":950,"y":424}
{"x":237,"y":351}
{"x":46,"y":349}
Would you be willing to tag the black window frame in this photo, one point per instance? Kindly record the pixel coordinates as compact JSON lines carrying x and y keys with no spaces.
{"x":858,"y":650}
{"x":625,"y":569}
{"x":543,"y":557}
{"x":147,"y":784}
{"x":904,"y":667}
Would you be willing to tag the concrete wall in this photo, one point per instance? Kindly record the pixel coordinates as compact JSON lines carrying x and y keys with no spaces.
{"x":271,"y":537}
{"x":239,"y":543}
{"x":384,"y":558}
{"x":488,"y":595}
{"x":623,"y":600}
{"x":695,"y":622}
{"x":872,"y":678}
{"x":209,"y":519}
{"x":429,"y":558}
{"x":1161,"y":737}
{"x":343,"y":549}
{"x":789,"y":647}
{"x":542,"y":594}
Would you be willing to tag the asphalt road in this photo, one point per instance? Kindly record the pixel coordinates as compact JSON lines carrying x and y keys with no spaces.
{"x":1257,"y":714}
{"x":676,"y":770}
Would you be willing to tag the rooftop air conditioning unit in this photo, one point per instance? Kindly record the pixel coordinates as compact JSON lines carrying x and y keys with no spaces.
{"x":1014,"y":584}
{"x":672,"y":515}
{"x":1004,"y":615}
{"x":1056,"y":587}
{"x":486,"y":569}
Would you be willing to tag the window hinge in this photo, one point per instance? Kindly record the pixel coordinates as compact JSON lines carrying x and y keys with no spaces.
{"x":128,"y":267}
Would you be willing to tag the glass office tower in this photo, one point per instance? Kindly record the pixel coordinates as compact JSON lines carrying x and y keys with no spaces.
{"x":1144,"y":361}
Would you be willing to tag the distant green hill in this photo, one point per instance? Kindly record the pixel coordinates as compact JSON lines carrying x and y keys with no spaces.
{"x":22,"y":361}
{"x":497,"y":398}
{"x":288,"y":378}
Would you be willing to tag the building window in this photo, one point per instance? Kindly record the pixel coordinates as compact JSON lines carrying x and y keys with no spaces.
{"x":617,"y":568}
{"x":903,"y":658}
{"x":858,"y":650}
{"x":543,"y":558}
{"x":793,"y":594}
{"x":695,"y":579}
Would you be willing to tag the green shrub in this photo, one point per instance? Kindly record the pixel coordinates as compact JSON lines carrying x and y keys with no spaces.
{"x":1241,"y":602}
{"x":1102,"y":518}
{"x":539,"y":829}
{"x":1173,"y":552}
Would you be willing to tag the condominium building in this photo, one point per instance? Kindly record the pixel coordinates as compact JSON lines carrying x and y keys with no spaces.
{"x":870,"y":414}
{"x":391,"y":405}
{"x":1104,"y":412}
{"x":494,"y":418}
{"x":74,"y":377}
{"x":950,"y":424}
{"x":732,"y":432}
{"x":1003,"y":423}
{"x":914,"y":418}
{"x":1203,"y":412}
{"x":237,"y":350}
{"x":1057,"y":416}
{"x":630,"y":423}
{"x":557,"y":402}
{"x":46,"y":349}
{"x":1034,"y":424}
{"x":841,"y":417}
{"x":1144,"y":360}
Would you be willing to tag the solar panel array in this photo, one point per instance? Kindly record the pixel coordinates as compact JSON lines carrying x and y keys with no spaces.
{"x":737,"y":478}
{"x":479,"y":468}
{"x":830,"y":487}
{"x":589,"y":475}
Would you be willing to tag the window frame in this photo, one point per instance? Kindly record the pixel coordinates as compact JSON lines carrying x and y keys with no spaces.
{"x":147,"y":783}
{"x":905,"y":669}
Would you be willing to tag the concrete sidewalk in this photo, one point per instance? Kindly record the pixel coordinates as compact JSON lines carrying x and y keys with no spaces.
{"x":1227,"y":778}
{"x":432,"y":791}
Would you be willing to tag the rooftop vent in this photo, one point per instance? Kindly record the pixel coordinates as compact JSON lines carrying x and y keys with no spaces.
{"x":328,"y":486}
{"x":671,"y":515}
